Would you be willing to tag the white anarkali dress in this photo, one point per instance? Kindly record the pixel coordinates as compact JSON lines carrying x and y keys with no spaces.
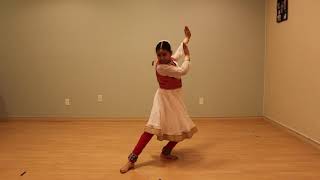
{"x":169,"y":119}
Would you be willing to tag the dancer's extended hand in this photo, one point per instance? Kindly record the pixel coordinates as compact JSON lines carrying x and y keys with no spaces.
{"x":187,"y":34}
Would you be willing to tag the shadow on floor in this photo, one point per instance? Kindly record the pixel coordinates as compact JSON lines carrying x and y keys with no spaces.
{"x":189,"y":158}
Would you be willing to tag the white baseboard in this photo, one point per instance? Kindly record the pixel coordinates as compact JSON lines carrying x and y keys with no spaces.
{"x":295,"y":132}
{"x":52,"y":118}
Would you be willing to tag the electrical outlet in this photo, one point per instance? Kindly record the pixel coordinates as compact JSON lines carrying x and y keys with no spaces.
{"x":100,"y":98}
{"x":67,"y":102}
{"x":201,"y":100}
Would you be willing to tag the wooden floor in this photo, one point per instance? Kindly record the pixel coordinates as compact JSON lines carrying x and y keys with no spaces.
{"x":239,"y":149}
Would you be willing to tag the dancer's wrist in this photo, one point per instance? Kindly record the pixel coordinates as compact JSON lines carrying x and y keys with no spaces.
{"x":187,"y":58}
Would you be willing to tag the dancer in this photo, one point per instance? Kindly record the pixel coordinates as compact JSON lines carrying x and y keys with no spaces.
{"x":169,"y":119}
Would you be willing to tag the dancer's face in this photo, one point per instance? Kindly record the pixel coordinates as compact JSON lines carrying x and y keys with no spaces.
{"x":163,"y":55}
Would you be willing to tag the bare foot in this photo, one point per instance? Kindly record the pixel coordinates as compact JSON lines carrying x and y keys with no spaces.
{"x":170,"y":156}
{"x":127,"y":167}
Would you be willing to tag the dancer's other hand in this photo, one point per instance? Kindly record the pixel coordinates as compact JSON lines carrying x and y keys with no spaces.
{"x":187,"y":34}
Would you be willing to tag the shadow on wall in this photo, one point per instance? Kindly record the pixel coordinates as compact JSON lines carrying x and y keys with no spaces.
{"x":3,"y":111}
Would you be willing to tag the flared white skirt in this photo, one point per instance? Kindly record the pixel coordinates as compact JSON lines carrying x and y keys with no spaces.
{"x":169,"y":119}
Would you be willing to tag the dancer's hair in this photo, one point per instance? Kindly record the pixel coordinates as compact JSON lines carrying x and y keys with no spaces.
{"x":164,"y":45}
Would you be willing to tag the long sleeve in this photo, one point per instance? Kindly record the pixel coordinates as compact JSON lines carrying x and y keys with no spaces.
{"x":178,"y":53}
{"x":174,"y":71}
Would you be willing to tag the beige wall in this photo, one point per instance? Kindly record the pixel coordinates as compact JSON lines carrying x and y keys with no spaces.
{"x":292,"y":84}
{"x":79,"y":49}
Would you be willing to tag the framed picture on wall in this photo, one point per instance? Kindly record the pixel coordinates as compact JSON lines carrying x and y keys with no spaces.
{"x":282,"y":10}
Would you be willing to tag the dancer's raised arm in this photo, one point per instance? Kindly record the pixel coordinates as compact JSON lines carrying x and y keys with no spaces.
{"x":179,"y":52}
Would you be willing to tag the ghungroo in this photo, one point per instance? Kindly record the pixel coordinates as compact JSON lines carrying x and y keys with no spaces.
{"x":133,"y":157}
{"x":166,"y":151}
